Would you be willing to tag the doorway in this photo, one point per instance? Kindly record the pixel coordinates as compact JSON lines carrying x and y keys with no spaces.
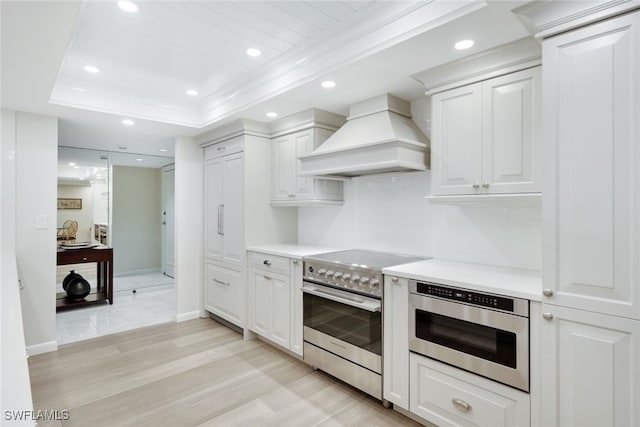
{"x":168,"y":220}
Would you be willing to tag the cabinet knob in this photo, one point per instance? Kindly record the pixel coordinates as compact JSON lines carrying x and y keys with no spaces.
{"x":547,"y":316}
{"x":485,"y":185}
{"x":291,"y":195}
{"x":267,"y":277}
{"x":476,"y":185}
{"x":547,"y":292}
{"x":461,"y":405}
{"x":394,"y":279}
{"x":266,"y":262}
{"x":294,"y":261}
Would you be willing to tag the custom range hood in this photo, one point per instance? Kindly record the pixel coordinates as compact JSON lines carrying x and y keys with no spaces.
{"x":379,"y":136}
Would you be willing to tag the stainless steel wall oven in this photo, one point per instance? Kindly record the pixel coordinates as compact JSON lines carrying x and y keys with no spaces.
{"x":482,"y":333}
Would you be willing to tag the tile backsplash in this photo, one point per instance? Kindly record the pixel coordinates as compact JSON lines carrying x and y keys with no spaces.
{"x":388,"y":212}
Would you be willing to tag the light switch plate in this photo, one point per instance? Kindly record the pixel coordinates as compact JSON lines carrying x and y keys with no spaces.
{"x":41,"y":222}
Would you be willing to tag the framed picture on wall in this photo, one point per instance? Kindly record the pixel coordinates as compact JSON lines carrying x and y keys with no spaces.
{"x":69,"y":203}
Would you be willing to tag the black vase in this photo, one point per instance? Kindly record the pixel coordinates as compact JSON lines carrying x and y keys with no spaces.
{"x":76,"y":286}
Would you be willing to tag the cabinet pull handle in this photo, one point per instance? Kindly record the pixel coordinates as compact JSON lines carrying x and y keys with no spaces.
{"x":221,"y":282}
{"x":547,"y":292}
{"x":266,"y":262}
{"x":221,"y":148}
{"x":461,"y":404}
{"x":485,"y":185}
{"x":267,"y":277}
{"x":547,"y":316}
{"x":476,"y":186}
{"x":219,"y":216}
{"x":291,"y":195}
{"x":295,"y":262}
{"x":222,"y":220}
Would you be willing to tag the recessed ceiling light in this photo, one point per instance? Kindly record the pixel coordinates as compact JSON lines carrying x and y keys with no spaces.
{"x":128,"y":6}
{"x":72,"y":164}
{"x":138,"y":160}
{"x":191,"y":92}
{"x":328,"y":84}
{"x":81,"y":179}
{"x":77,"y":89}
{"x":76,"y":167}
{"x":464,"y":44}
{"x":98,"y":176}
{"x":272,"y":114}
{"x":163,"y":150}
{"x":128,"y":122}
{"x":252,"y":51}
{"x":91,"y":69}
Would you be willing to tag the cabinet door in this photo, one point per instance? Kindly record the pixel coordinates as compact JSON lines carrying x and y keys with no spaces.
{"x":590,"y":373}
{"x":511,"y":148}
{"x":280,"y":310}
{"x":296,"y":306}
{"x":233,"y":208}
{"x":213,"y":202}
{"x":303,"y":185}
{"x":224,"y":293}
{"x":591,"y":207}
{"x":261,"y":294}
{"x":283,"y":152}
{"x":456,"y":140}
{"x":395,"y":381}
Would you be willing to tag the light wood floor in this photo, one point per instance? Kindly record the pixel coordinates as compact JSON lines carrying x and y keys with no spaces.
{"x":195,"y":373}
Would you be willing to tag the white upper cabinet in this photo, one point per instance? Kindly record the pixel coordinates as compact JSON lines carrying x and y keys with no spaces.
{"x":296,"y":136}
{"x":591,"y":207}
{"x":485,"y":136}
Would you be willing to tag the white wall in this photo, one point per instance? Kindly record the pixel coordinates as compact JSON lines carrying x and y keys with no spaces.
{"x":84,"y":216}
{"x":388,"y":212}
{"x":136,"y":233}
{"x":36,"y":189}
{"x":188,"y":228}
{"x":100,"y":201}
{"x":15,"y":393}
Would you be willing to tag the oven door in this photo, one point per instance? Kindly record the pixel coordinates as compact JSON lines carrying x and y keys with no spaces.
{"x":346,"y":324}
{"x":482,"y":341}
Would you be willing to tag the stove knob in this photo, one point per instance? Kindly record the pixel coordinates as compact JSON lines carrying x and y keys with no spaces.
{"x":337,"y":275}
{"x":375,"y":284}
{"x":322,"y":272}
{"x":364,"y":281}
{"x":355,"y":279}
{"x":346,"y":277}
{"x":329,"y":274}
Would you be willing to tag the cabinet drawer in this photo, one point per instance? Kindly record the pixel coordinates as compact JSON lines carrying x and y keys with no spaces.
{"x":272,"y":263}
{"x":230,"y":146}
{"x":223,"y":293}
{"x":448,"y":396}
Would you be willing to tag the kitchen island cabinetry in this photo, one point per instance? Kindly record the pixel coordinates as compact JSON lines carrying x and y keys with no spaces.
{"x":395,"y":382}
{"x":237,"y":213}
{"x":485,"y":137}
{"x":297,"y":136}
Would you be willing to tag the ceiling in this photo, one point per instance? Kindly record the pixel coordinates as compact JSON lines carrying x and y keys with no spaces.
{"x":148,"y":59}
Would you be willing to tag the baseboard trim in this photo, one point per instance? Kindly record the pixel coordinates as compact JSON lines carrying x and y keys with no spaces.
{"x":45,"y":347}
{"x":136,"y":272}
{"x":183,"y":317}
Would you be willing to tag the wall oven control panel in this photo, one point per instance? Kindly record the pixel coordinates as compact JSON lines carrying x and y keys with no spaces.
{"x":465,"y":296}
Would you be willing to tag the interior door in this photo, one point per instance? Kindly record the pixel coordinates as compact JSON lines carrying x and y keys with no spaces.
{"x":168,"y":220}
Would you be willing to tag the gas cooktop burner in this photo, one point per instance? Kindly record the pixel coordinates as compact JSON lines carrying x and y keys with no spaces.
{"x":358,"y":271}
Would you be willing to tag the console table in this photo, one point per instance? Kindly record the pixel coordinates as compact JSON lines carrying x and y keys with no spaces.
{"x":101,"y":255}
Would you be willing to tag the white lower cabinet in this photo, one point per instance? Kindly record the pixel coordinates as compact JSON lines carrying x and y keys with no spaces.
{"x":448,"y":396}
{"x":224,"y":293}
{"x":395,"y":375}
{"x":590,"y":368}
{"x":276,"y":300}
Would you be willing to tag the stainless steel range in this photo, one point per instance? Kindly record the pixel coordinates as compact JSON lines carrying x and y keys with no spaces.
{"x":342,"y":294}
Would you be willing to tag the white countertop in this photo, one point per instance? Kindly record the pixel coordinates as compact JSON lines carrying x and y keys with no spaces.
{"x":293,"y":250}
{"x":512,"y":282}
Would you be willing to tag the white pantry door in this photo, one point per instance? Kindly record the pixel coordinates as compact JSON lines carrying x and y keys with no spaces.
{"x":168,"y":220}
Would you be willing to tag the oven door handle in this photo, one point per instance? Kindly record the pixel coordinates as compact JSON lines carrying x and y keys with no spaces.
{"x":364,"y":303}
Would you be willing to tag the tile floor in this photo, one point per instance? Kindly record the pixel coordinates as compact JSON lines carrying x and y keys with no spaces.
{"x":153,"y":303}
